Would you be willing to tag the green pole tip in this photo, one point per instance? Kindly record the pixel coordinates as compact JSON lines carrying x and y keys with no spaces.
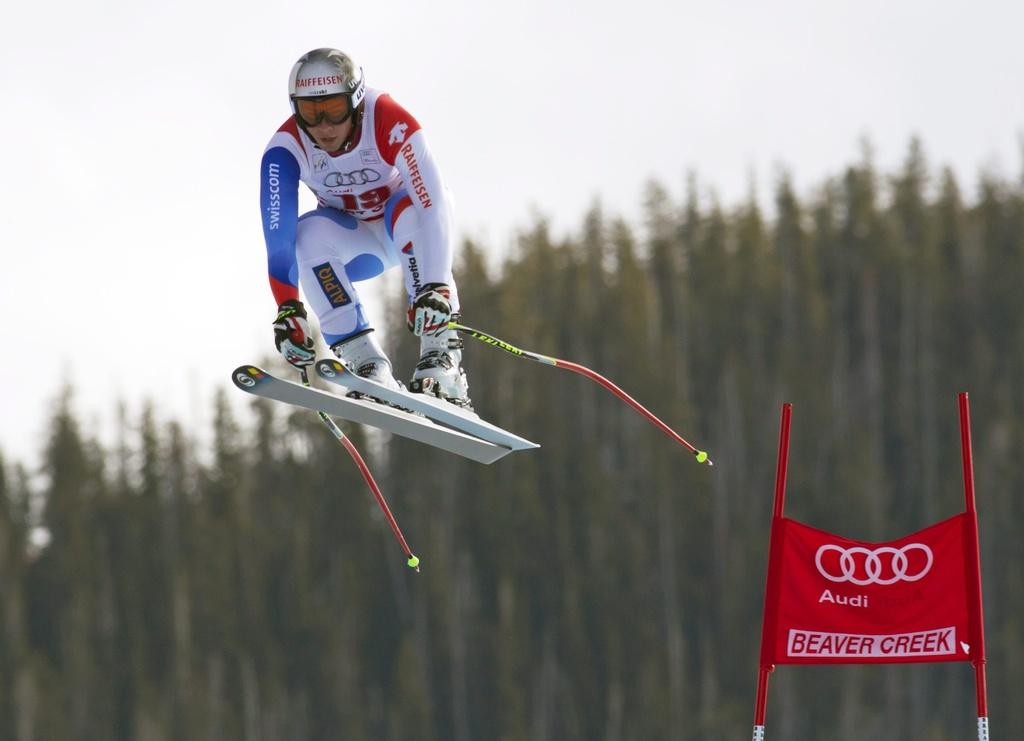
{"x":701,"y":456}
{"x":414,"y":562}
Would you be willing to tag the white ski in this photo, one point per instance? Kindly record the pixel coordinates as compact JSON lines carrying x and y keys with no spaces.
{"x":254,"y":380}
{"x":438,"y":410}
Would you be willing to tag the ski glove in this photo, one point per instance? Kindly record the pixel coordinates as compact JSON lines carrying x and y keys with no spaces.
{"x":291,"y":334}
{"x":431,"y":310}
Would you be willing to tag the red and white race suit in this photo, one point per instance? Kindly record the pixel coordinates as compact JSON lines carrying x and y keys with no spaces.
{"x":381,"y":203}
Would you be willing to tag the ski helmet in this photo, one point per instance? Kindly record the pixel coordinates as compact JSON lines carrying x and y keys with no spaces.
{"x":325,"y":83}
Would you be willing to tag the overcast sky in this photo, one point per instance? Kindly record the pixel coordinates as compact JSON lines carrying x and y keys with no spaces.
{"x":134,"y":263}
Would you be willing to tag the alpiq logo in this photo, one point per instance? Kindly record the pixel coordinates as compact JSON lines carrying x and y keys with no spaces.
{"x":332,"y":287}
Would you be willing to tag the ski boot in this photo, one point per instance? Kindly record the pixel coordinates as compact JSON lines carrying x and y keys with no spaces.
{"x":439,"y":371}
{"x":364,"y":356}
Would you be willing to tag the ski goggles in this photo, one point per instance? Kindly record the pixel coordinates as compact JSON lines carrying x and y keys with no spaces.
{"x":335,"y":109}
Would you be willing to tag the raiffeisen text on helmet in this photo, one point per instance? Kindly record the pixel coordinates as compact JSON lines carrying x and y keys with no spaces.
{"x":319,"y":81}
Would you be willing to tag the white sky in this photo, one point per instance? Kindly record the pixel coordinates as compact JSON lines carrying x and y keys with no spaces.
{"x":133,"y":258}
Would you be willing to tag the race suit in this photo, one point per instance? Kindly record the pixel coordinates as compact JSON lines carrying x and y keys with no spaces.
{"x":381,"y":203}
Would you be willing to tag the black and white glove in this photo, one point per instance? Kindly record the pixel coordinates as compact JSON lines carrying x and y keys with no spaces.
{"x":431,"y":310}
{"x":291,"y":334}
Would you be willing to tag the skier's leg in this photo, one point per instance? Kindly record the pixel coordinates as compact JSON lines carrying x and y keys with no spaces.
{"x":334,"y":250}
{"x":439,"y":370}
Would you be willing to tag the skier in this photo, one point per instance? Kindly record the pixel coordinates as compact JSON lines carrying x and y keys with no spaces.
{"x":381,"y":203}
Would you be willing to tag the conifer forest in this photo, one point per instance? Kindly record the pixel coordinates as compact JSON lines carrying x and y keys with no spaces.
{"x":604,"y":586}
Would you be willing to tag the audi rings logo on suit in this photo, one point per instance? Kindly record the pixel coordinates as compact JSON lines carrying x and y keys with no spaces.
{"x":346,"y":179}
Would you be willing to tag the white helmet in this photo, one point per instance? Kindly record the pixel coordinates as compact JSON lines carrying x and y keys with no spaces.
{"x":325,"y":73}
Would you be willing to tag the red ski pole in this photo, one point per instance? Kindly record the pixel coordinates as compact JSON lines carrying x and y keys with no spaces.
{"x":700,"y":455}
{"x":413,"y":560}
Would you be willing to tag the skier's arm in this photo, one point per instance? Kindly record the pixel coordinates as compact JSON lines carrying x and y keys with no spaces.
{"x":279,"y":204}
{"x":402,"y":144}
{"x":422,"y":180}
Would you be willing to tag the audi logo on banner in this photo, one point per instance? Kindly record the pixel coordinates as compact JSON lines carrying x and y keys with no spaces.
{"x":356,"y":177}
{"x":883,"y":565}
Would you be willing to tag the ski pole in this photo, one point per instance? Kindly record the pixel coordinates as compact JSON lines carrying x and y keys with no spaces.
{"x":413,"y":561}
{"x":701,"y":456}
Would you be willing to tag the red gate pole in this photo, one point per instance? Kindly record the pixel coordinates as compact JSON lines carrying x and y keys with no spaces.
{"x":975,"y":610}
{"x":767,"y":663}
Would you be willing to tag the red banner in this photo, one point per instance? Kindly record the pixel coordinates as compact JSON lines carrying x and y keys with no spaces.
{"x":834,"y":600}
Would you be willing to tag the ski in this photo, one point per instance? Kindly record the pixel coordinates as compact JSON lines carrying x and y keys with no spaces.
{"x":436,"y":409}
{"x":256,"y":381}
